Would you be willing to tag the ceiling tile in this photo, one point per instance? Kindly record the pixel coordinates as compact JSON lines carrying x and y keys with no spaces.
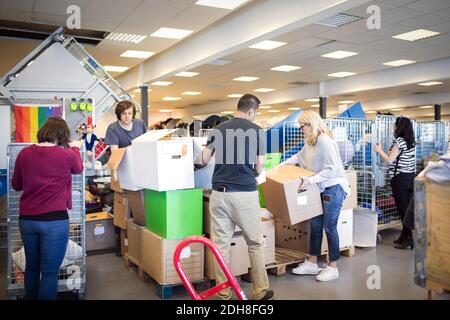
{"x":24,"y":5}
{"x":56,"y":7}
{"x":425,"y":21}
{"x":15,"y":15}
{"x":429,"y":5}
{"x":400,"y":14}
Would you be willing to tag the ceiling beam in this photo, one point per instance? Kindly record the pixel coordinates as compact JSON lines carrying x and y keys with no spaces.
{"x":257,"y":21}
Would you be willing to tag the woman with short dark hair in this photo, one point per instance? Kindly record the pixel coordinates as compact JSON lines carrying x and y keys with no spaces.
{"x":43,"y":171}
{"x":402,"y":167}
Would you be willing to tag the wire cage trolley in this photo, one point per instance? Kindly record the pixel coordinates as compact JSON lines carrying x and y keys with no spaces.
{"x":72,"y":276}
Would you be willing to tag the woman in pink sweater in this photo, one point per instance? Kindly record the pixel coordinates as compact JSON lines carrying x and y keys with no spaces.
{"x":43,"y":171}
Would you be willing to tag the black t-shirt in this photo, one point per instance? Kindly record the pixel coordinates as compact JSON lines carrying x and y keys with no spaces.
{"x":116,"y":135}
{"x":237,"y":143}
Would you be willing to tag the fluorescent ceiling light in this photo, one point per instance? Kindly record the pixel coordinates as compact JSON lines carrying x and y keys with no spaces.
{"x":191,"y":93}
{"x":370,"y":111}
{"x":430,"y":83}
{"x":285,"y":68}
{"x":342,"y":74}
{"x":137,"y":54}
{"x":273,"y":111}
{"x":294,"y":108}
{"x":227,"y":112}
{"x":245,"y":79}
{"x":171,"y":98}
{"x":346,"y":101}
{"x":397,"y":109}
{"x":220,"y":62}
{"x":187,"y":74}
{"x":264,"y":90}
{"x":115,"y":68}
{"x":165,"y":110}
{"x":315,"y":105}
{"x":339,"y":54}
{"x":221,"y":4}
{"x":267,"y":45}
{"x":313,"y":100}
{"x":171,"y":33}
{"x":125,"y":37}
{"x":425,"y":107}
{"x":235,"y":95}
{"x":398,"y":63}
{"x":416,"y":35}
{"x":265,"y":107}
{"x":161,"y":83}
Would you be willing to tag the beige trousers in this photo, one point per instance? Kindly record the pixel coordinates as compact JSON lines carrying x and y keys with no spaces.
{"x":229,"y":209}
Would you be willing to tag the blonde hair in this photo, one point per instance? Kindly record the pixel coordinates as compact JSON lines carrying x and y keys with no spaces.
{"x":315,"y":122}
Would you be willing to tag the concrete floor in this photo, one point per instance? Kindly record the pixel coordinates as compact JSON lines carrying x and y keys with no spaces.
{"x":107,"y":278}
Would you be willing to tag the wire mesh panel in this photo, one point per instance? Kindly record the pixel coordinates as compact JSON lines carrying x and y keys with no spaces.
{"x":72,"y":276}
{"x":293,"y":139}
{"x":447,"y":134}
{"x":431,"y":138}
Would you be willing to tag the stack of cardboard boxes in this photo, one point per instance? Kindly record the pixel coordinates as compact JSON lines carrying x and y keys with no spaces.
{"x":293,"y":208}
{"x":156,"y":172}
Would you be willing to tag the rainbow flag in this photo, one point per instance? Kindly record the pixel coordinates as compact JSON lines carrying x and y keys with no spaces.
{"x":29,"y":119}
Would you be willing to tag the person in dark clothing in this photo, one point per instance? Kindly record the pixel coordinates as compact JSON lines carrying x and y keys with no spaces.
{"x":43,"y":171}
{"x":402,"y":168}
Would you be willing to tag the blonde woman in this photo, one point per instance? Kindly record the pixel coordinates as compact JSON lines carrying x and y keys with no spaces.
{"x":321,"y":155}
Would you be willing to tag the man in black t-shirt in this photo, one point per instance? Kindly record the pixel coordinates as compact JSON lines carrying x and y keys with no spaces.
{"x":239,"y":147}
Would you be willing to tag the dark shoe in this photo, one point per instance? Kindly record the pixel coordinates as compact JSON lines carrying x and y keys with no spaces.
{"x":400,"y":238}
{"x":268,"y":296}
{"x":407,"y":242}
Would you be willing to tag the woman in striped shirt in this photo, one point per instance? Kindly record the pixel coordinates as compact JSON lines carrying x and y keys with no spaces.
{"x":402,"y":168}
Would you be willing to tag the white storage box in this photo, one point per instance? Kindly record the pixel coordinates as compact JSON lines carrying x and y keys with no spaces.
{"x":365,"y":229}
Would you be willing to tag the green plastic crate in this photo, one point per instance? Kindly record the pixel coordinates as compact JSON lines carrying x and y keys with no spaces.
{"x":174,"y":214}
{"x":271,"y":160}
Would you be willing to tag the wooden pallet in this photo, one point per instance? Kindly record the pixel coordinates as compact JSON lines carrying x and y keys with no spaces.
{"x":345,"y":251}
{"x":164,"y":291}
{"x":435,"y":287}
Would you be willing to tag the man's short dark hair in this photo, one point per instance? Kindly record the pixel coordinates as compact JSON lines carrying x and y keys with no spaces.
{"x":248,"y":102}
{"x":54,"y":130}
{"x":124,"y":105}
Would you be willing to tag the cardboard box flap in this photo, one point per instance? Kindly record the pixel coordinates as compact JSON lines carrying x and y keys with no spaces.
{"x":283,"y":174}
{"x":98,"y":216}
{"x":153,"y":135}
{"x":116,"y":158}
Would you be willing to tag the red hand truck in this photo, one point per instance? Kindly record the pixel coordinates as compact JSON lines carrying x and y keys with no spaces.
{"x":188,"y":284}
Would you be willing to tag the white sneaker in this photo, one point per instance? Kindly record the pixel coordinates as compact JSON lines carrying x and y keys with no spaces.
{"x":328,"y":274}
{"x":307,"y":268}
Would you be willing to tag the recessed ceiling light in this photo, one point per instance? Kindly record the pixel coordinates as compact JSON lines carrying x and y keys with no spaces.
{"x":187,"y":74}
{"x":315,"y":105}
{"x":346,"y":101}
{"x":171,"y":33}
{"x":313,"y":100}
{"x":294,"y":108}
{"x":161,"y":83}
{"x":371,"y":111}
{"x":220,"y":62}
{"x":285,"y":68}
{"x":125,"y":37}
{"x":137,"y":54}
{"x":267,"y":45}
{"x":430,"y":83}
{"x":397,"y":109}
{"x":191,"y":93}
{"x":227,"y":4}
{"x":171,"y":98}
{"x":235,"y":95}
{"x":115,"y":68}
{"x":227,"y":112}
{"x":342,"y":74}
{"x":416,"y":35}
{"x":264,"y":90}
{"x":165,"y":110}
{"x":398,"y":63}
{"x":245,"y":79}
{"x":425,"y":107}
{"x":339,"y":54}
{"x":273,"y":111}
{"x":265,"y":107}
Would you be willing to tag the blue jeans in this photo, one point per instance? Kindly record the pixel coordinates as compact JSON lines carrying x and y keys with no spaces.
{"x":45,"y":244}
{"x":332,"y":199}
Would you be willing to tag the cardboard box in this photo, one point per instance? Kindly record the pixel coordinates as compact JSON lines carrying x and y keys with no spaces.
{"x":100,"y":233}
{"x":136,"y":202}
{"x":134,"y":232}
{"x":157,"y":259}
{"x":163,"y":164}
{"x":283,"y":199}
{"x":174,"y":214}
{"x":122,"y":166}
{"x":239,"y":258}
{"x":3,"y":207}
{"x":123,"y":241}
{"x":351,"y":201}
{"x":121,"y":210}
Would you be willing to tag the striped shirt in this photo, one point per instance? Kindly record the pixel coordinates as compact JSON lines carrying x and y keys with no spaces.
{"x":405,"y":161}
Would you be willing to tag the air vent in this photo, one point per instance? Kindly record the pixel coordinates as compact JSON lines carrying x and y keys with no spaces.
{"x":339,"y":20}
{"x":325,"y":43}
